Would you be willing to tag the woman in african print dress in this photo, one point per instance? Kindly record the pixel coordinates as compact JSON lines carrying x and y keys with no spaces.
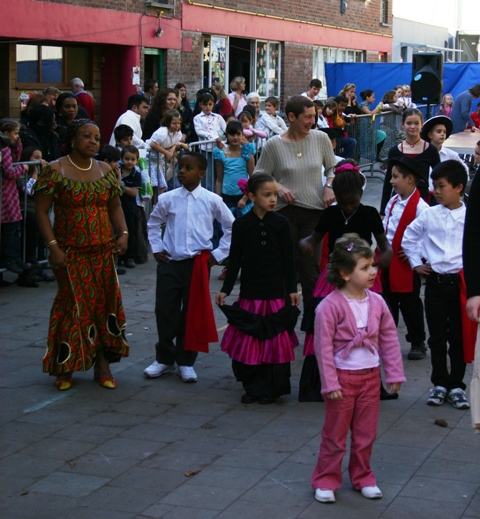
{"x":87,"y":321}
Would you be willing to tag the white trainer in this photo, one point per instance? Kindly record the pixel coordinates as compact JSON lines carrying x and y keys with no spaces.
{"x":324,"y":496}
{"x":372,"y":492}
{"x":157,"y":369}
{"x":187,"y":373}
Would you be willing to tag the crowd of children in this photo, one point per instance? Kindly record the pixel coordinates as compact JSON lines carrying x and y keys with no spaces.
{"x":352,"y":319}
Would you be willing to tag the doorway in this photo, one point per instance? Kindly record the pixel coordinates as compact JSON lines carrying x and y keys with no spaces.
{"x":240,"y":60}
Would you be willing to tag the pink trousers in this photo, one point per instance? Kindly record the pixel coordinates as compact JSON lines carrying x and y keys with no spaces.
{"x":358,"y":411}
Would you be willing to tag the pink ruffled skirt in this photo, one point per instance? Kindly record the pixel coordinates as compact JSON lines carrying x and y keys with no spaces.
{"x":247,"y":349}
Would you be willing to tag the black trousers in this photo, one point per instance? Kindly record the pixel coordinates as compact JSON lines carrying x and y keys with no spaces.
{"x":443,"y":311}
{"x":411,"y":306}
{"x":131,"y":221}
{"x":173,"y":286}
{"x":263,"y":380}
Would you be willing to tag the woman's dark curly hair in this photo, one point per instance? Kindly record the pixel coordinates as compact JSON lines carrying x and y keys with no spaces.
{"x":344,"y":257}
{"x":72,"y":130}
{"x":159,"y":106}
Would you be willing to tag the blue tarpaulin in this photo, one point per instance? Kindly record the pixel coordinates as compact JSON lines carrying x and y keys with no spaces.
{"x":380,"y":77}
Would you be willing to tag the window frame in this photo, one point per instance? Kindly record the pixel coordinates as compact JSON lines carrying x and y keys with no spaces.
{"x":267,"y":67}
{"x":39,"y":85}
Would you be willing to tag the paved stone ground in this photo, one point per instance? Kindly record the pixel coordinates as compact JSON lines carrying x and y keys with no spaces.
{"x":99,"y":454}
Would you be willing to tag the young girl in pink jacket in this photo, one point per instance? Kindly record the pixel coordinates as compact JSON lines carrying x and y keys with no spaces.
{"x":354,"y":330}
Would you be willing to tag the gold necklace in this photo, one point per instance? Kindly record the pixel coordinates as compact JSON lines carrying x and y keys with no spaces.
{"x":78,"y":167}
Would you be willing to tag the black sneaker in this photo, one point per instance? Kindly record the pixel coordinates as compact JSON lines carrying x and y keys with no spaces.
{"x":13,"y":267}
{"x":130,"y":263}
{"x":417,"y":352}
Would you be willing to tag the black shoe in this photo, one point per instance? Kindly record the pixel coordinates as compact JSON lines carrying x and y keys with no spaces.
{"x":120,"y":272}
{"x":43,"y":276}
{"x":130,"y":263}
{"x":417,"y":352}
{"x":247,"y":398}
{"x":385,"y":395}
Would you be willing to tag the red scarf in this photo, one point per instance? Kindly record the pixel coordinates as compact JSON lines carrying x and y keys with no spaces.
{"x":469,"y":328}
{"x":200,"y":326}
{"x":401,"y":274}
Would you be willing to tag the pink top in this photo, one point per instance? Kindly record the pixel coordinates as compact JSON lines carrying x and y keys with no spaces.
{"x":336,"y":332}
{"x":361,"y":357}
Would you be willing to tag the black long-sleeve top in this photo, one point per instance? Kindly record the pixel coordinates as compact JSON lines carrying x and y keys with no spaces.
{"x":429,"y":158}
{"x":263,"y":250}
{"x":471,"y":239}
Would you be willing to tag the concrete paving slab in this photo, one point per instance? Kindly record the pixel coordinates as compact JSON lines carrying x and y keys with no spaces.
{"x":473,"y":509}
{"x":423,"y":509}
{"x":440,"y":489}
{"x":68,"y":484}
{"x":209,"y":497}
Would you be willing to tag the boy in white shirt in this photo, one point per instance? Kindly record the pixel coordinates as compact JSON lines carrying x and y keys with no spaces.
{"x":401,"y":285}
{"x":183,"y":249}
{"x":271,"y":123}
{"x":433,"y":245}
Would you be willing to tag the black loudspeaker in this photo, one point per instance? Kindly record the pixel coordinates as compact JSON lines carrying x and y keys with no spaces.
{"x":427,"y":77}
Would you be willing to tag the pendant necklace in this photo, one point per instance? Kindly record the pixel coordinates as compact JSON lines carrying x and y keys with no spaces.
{"x":345,"y":218}
{"x":78,"y":167}
{"x":413,"y":145}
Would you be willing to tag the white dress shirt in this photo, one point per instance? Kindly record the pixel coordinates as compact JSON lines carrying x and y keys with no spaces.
{"x":316,"y":98}
{"x":391,"y":221}
{"x":189,"y":216}
{"x":131,"y":119}
{"x":437,"y":236}
{"x":209,"y":127}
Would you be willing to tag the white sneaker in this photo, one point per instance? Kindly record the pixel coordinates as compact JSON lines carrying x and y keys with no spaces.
{"x":458,"y":398}
{"x":372,"y":492}
{"x":157,"y":369}
{"x":437,"y":395}
{"x":324,"y":496}
{"x":187,"y":373}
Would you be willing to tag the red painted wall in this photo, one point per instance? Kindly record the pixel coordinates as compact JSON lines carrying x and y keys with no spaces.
{"x":59,"y":22}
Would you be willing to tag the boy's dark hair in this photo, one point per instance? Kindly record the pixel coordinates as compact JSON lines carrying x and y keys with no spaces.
{"x":315,"y":83}
{"x":452,"y":171}
{"x":130,"y":149}
{"x":273,"y":101}
{"x":404,"y":171}
{"x":149,"y":83}
{"x":109,"y":153}
{"x":318,"y":103}
{"x":251,"y":110}
{"x":256,"y":181}
{"x":206,"y":98}
{"x":200,"y":159}
{"x":169,"y":116}
{"x":234,"y":127}
{"x":341,"y":99}
{"x":348,"y":249}
{"x":297,"y":105}
{"x":227,"y":116}
{"x":122,"y":131}
{"x":136,"y":100}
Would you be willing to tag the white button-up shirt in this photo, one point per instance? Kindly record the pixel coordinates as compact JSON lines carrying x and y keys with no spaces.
{"x":130,"y":118}
{"x":209,"y":127}
{"x":189,"y":216}
{"x":437,"y":236}
{"x":391,"y":221}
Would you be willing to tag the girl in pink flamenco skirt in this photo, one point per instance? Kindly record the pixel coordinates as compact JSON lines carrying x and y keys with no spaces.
{"x":260,"y":337}
{"x":348,"y":215}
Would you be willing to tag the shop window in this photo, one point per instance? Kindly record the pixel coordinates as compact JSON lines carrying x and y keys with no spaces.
{"x":267,"y":68}
{"x":215,"y":60}
{"x":52,"y":65}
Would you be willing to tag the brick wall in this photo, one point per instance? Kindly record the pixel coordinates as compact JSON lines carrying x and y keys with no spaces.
{"x":359,"y":14}
{"x":185,"y":67}
{"x":296,"y":69}
{"x":130,"y":6}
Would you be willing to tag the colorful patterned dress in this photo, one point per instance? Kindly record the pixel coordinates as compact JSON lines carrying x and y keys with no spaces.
{"x":87,"y":311}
